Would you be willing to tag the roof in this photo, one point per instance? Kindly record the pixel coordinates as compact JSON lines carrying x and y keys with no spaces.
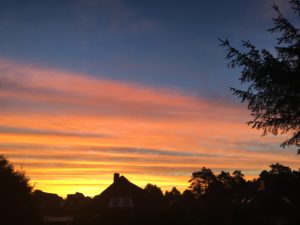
{"x":122,"y":187}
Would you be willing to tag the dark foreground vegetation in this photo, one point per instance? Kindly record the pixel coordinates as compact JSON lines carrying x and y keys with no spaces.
{"x":272,"y":78}
{"x":225,"y":198}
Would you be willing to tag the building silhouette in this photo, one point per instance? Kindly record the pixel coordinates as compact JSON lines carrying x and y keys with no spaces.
{"x":122,"y":194}
{"x":123,"y":202}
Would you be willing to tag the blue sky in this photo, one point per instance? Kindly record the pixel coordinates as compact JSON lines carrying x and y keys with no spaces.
{"x":159,"y":43}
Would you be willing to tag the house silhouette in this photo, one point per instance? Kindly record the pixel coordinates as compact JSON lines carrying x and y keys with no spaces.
{"x":122,"y":203}
{"x":122,"y":194}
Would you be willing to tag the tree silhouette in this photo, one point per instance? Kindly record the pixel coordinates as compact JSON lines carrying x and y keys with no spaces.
{"x":154,"y":191}
{"x":172,"y":195}
{"x":278,"y":179}
{"x":201,"y":180}
{"x":238,"y":178}
{"x":225,"y":179}
{"x":17,"y":205}
{"x":273,"y":93}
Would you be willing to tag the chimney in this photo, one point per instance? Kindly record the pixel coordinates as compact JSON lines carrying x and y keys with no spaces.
{"x":116,"y":177}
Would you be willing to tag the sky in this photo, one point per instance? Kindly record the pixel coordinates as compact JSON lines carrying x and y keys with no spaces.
{"x":93,"y":87}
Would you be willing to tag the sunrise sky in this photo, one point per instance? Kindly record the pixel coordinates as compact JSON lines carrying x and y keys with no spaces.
{"x":89,"y":88}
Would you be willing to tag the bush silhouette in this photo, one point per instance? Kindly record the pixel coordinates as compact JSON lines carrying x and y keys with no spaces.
{"x":17,"y":205}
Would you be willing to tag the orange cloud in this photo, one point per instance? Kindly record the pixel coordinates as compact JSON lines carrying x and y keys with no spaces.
{"x":72,"y":130}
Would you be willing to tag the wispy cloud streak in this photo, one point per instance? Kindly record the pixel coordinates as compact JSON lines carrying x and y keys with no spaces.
{"x":33,"y":131}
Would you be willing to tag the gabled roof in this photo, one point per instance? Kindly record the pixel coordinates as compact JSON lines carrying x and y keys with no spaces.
{"x":122,"y":187}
